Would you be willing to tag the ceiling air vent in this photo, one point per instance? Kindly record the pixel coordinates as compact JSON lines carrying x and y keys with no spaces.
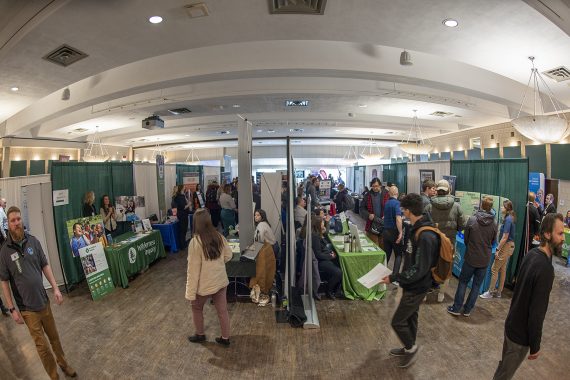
{"x":559,"y":74}
{"x":80,"y":130}
{"x":441,"y":113}
{"x":65,"y":55}
{"x":306,"y":7}
{"x":197,"y":10}
{"x":178,"y":111}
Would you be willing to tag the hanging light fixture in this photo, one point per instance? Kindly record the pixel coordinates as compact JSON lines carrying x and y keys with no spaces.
{"x":420,"y":145}
{"x":192,"y":158}
{"x":95,"y":151}
{"x":372,"y":151}
{"x":351,"y":156}
{"x":543,"y":128}
{"x":158,"y":151}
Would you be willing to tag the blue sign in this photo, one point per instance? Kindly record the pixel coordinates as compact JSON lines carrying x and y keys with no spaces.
{"x":536,"y":185}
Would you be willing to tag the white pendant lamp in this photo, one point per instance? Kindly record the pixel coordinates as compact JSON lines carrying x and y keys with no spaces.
{"x":95,"y":151}
{"x":420,"y":145}
{"x":372,"y":151}
{"x":546,"y":129}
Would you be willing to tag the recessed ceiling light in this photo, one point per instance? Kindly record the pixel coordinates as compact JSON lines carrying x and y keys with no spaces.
{"x":236,"y":106}
{"x":271,"y":131}
{"x":260,"y":130}
{"x":449,"y":22}
{"x":224,"y":132}
{"x":155,"y":19}
{"x":15,"y":88}
{"x":362,"y":105}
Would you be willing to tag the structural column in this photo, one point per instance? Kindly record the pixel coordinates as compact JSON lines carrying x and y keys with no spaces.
{"x":245,"y":193}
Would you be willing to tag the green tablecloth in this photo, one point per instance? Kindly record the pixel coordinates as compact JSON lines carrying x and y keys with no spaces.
{"x":131,"y":253}
{"x":355,"y":265}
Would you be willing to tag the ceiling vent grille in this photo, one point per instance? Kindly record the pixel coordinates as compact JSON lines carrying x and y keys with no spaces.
{"x":65,"y":55}
{"x":179,"y":111}
{"x":441,"y":114}
{"x":559,"y":74}
{"x":197,"y":10}
{"x":306,"y":7}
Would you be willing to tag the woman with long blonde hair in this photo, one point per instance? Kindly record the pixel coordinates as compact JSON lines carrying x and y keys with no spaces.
{"x":206,"y":275}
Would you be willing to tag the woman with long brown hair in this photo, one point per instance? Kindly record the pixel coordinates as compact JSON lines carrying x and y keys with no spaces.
{"x":504,"y":251}
{"x":206,"y":275}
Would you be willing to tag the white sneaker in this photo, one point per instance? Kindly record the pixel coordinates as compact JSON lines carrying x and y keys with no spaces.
{"x":486,"y":295}
{"x":497,"y":295}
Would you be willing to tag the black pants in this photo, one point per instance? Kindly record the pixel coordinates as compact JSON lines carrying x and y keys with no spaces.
{"x":182,"y":228}
{"x":390,"y":236}
{"x":405,"y":319}
{"x":332,"y":274}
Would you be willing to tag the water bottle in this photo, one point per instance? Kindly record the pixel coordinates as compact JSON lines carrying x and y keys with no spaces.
{"x":273,"y":299}
{"x":347,"y":242}
{"x":285,"y":302}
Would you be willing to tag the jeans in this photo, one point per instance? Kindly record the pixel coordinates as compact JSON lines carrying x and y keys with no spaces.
{"x":389,"y":236}
{"x":41,"y":323}
{"x":467,"y":271}
{"x":512,"y":358}
{"x":405,"y":319}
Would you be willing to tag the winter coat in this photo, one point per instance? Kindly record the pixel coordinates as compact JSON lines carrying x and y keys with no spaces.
{"x":447,"y":215}
{"x":480,"y":234}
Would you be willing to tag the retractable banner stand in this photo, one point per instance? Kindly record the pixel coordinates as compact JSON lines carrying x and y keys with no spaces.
{"x":536,"y":185}
{"x":96,"y":270}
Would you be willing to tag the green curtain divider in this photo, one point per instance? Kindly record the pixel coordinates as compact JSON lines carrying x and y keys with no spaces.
{"x":512,"y":152}
{"x":559,"y":154}
{"x":536,"y":155}
{"x":113,"y":179}
{"x":492,"y":153}
{"x":18,"y":168}
{"x":37,"y":167}
{"x":396,"y":173}
{"x":504,"y":177}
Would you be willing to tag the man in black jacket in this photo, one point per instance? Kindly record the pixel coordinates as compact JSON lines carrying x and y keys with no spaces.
{"x":480,"y":234}
{"x":523,"y":327}
{"x":415,"y":280}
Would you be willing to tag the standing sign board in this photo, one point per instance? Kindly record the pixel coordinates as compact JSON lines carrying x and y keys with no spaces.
{"x":325,"y":189}
{"x":96,"y":270}
{"x":536,"y":185}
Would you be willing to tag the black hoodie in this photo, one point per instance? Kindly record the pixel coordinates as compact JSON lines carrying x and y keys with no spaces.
{"x":417,"y":278}
{"x":480,"y":234}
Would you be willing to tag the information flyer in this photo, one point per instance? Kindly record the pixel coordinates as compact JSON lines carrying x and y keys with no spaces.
{"x":96,"y":270}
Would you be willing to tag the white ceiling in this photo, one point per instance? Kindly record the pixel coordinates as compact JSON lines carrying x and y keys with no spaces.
{"x":242,"y":55}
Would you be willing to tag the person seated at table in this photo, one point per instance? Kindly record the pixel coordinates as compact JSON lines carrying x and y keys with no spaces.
{"x":88,"y":207}
{"x":326,"y":218}
{"x":107,"y":212}
{"x":228,"y":213}
{"x":263,"y":232}
{"x":182,"y":215}
{"x":326,"y":256}
{"x":206,"y":276}
{"x":300,"y":212}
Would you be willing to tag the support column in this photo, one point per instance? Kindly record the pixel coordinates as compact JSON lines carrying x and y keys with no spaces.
{"x":245,"y":193}
{"x":548,"y":161}
{"x":6,"y":161}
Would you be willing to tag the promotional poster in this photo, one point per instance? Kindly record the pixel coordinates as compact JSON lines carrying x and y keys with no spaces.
{"x":130,"y":208}
{"x":96,"y":270}
{"x":536,"y":185}
{"x":85,"y":231}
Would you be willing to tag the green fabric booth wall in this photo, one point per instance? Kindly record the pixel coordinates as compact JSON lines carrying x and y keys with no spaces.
{"x":503,"y":177}
{"x":181,"y":168}
{"x":396,"y":173}
{"x":114,"y":179}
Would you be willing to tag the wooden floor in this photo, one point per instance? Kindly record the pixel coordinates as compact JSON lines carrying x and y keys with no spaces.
{"x":140,"y":333}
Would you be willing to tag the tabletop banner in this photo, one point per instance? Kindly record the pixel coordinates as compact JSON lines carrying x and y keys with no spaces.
{"x":96,"y":270}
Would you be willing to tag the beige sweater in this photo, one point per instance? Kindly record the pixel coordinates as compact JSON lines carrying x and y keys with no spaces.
{"x":205,"y":277}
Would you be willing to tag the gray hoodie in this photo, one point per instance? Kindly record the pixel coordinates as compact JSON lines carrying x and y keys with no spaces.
{"x":480,"y":234}
{"x":447,"y":215}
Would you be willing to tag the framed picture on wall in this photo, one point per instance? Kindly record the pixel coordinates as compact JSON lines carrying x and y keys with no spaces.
{"x":426,"y":174}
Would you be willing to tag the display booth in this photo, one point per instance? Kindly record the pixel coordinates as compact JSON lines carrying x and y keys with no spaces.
{"x":504,"y":178}
{"x":397,"y":174}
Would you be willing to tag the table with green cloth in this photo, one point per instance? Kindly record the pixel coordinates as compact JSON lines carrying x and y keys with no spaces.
{"x":131,"y":253}
{"x":355,"y":265}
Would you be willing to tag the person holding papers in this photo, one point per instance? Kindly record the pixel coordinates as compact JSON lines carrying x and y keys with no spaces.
{"x":329,"y":270}
{"x":415,"y":280}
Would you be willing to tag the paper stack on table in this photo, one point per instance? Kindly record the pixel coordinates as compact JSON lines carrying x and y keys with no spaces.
{"x":374,"y":277}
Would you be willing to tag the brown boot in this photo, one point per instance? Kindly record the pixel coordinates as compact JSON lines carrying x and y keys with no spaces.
{"x":69,"y":371}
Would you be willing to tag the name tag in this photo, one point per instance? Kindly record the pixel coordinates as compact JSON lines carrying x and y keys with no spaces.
{"x":14,"y":256}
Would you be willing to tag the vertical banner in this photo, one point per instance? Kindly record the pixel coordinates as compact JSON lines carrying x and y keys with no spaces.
{"x":96,"y":270}
{"x":536,"y":185}
{"x":160,"y":185}
{"x":325,"y":189}
{"x":227,"y":163}
{"x":24,"y":213}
